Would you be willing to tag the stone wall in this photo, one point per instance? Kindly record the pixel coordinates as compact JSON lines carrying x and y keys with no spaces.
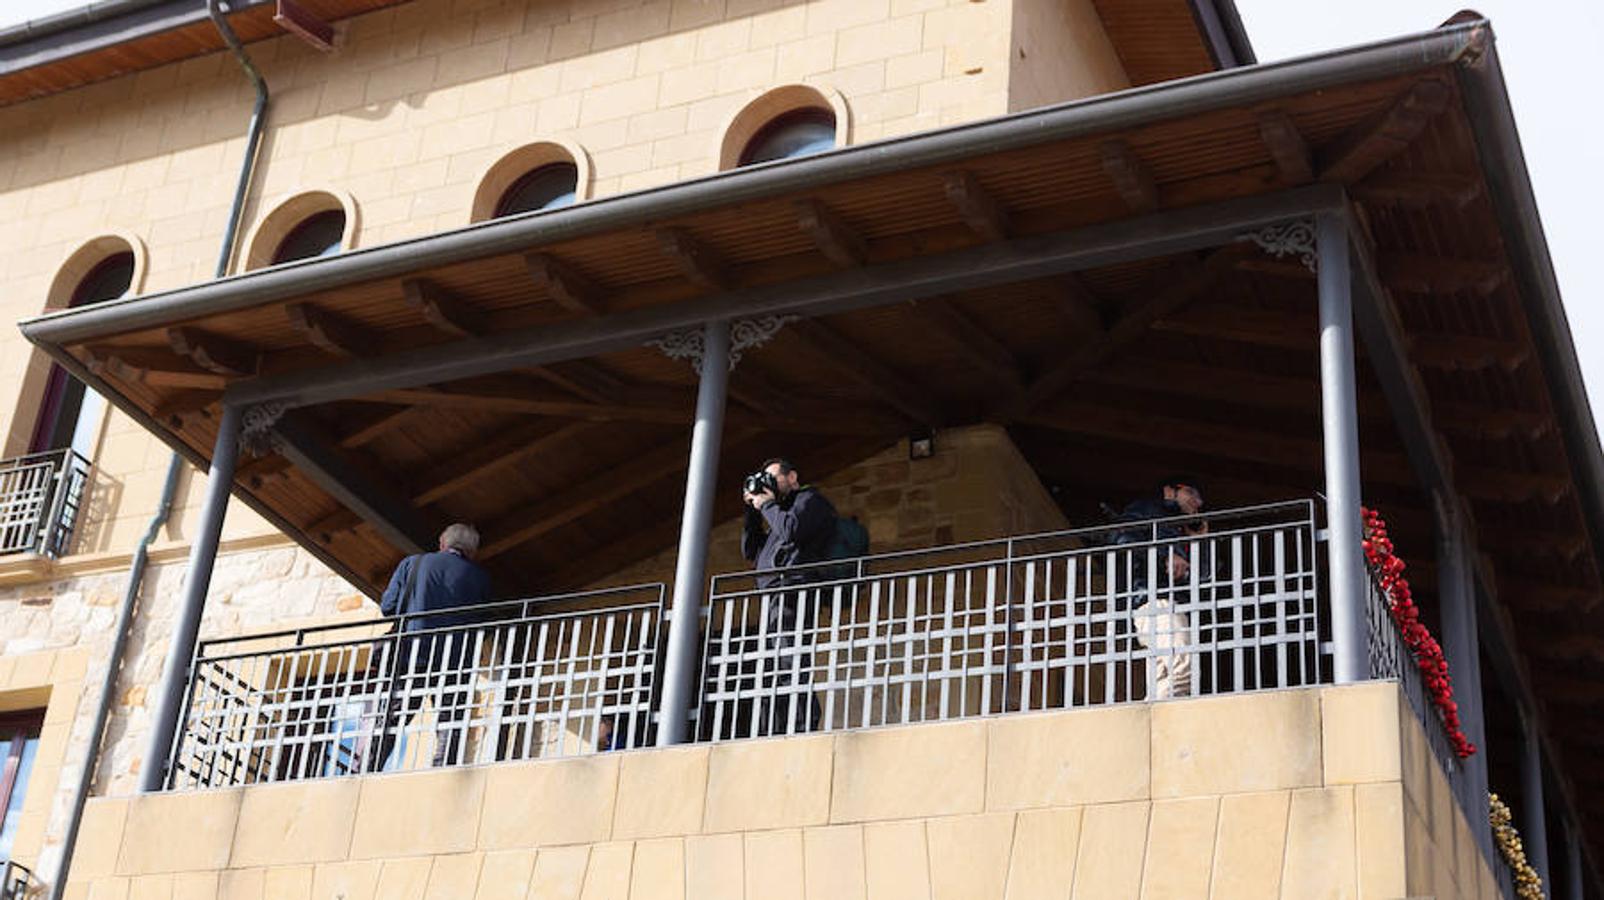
{"x":252,"y":590}
{"x":976,"y":487}
{"x":1298,"y":794}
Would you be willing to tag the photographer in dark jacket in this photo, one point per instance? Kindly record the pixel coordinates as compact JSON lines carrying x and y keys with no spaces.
{"x":787,"y":524}
{"x":1159,"y":626}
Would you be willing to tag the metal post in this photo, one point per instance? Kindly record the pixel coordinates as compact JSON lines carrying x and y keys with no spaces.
{"x":1340,"y":424}
{"x":202,"y":554}
{"x":1534,"y":818}
{"x":1573,"y":862}
{"x":1462,"y":645}
{"x":690,"y":570}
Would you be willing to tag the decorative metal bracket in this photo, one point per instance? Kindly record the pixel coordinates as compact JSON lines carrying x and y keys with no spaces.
{"x":745,"y":334}
{"x":1286,"y":239}
{"x":256,"y":428}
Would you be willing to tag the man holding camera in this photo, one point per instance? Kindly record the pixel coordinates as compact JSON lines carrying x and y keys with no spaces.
{"x":787,"y":524}
{"x":1159,"y":627}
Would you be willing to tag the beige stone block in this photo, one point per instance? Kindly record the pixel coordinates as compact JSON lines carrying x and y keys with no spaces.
{"x":1320,"y":856}
{"x":70,"y":665}
{"x":969,"y":856}
{"x":774,"y":865}
{"x":346,"y":880}
{"x":1359,"y":734}
{"x":454,"y":877}
{"x":288,"y":883}
{"x":878,"y":40}
{"x":896,"y":861}
{"x":1180,"y":848}
{"x":405,"y":879}
{"x":715,"y":867}
{"x":100,"y":836}
{"x":243,"y":884}
{"x":559,"y":873}
{"x":1418,"y":853}
{"x":151,"y":887}
{"x":775,"y":783}
{"x":607,"y":872}
{"x":209,"y":818}
{"x":924,"y":770}
{"x":32,"y":670}
{"x":1249,"y":844}
{"x":1046,"y":760}
{"x":832,"y":863}
{"x":109,"y":889}
{"x":1042,"y":865}
{"x":284,"y":824}
{"x":563,"y":801}
{"x":661,"y":793}
{"x":658,"y":872}
{"x":1108,"y":860}
{"x":388,"y":821}
{"x":1246,"y":742}
{"x":195,"y":886}
{"x":1379,"y":831}
{"x":506,"y":875}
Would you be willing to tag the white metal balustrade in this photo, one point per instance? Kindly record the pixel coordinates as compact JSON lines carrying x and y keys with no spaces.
{"x":1118,"y":613}
{"x":41,"y":498}
{"x":518,"y":680}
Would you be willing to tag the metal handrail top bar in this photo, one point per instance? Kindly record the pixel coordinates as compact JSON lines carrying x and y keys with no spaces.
{"x":1037,"y":536}
{"x":493,"y":606}
{"x":40,"y":456}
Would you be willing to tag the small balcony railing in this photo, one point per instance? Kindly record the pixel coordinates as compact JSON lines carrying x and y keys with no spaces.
{"x":41,"y":500}
{"x":16,"y":881}
{"x":1074,"y":618}
{"x":516,"y":680}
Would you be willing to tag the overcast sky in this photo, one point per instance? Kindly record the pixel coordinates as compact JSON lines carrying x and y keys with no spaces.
{"x":1547,"y":48}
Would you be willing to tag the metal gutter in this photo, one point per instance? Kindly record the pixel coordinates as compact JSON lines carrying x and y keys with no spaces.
{"x":1138,"y":106}
{"x":1503,"y":165}
{"x":99,"y":27}
{"x":1235,"y":34}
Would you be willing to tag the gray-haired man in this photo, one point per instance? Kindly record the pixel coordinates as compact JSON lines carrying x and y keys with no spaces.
{"x":432,"y":650}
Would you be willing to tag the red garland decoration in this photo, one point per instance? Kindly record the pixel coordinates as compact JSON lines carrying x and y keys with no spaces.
{"x":1388,"y":571}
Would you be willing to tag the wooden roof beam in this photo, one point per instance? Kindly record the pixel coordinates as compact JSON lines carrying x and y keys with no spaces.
{"x":1366,"y":147}
{"x":328,"y":331}
{"x":1418,"y":190}
{"x":1287,"y":148}
{"x":982,"y":350}
{"x":980,"y":210}
{"x":1078,"y":306}
{"x":1131,"y":176}
{"x":156,"y":370}
{"x":373,"y":428}
{"x":868,"y":371}
{"x":444,"y":312}
{"x":493,"y":453}
{"x":355,"y":486}
{"x":565,"y":284}
{"x":694,"y":258}
{"x":837,"y":240}
{"x":223,"y":356}
{"x":1467,"y":353}
{"x":1427,"y":274}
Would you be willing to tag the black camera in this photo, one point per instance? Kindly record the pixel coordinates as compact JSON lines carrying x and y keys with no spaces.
{"x":759,"y":482}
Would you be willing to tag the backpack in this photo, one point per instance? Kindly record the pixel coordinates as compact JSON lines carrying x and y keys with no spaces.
{"x":849,"y":540}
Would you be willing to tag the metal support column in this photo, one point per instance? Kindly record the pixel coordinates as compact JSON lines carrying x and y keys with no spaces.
{"x":1534,"y":817}
{"x":690,"y":569}
{"x":1462,"y":645}
{"x":202,"y":554}
{"x":1576,"y":888}
{"x":1340,"y":425}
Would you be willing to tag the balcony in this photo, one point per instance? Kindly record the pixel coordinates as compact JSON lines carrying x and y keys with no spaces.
{"x":41,"y":498}
{"x":16,"y":881}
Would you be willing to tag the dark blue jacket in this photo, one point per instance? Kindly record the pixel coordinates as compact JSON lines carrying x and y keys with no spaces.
{"x":799,"y":527}
{"x":445,"y":580}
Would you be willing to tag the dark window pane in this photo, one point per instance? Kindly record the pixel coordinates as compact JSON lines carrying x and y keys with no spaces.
{"x":319,"y":235}
{"x":106,"y":281}
{"x":548,"y":187}
{"x":19,"y":745}
{"x":800,"y":133}
{"x":65,"y":419}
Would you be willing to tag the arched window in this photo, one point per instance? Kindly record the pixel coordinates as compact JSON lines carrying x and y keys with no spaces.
{"x":551,"y":186}
{"x":70,"y":414}
{"x":801,"y":132}
{"x":321,"y":234}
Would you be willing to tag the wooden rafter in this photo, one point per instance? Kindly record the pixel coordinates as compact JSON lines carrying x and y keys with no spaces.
{"x":1419,"y":273}
{"x":565,"y":284}
{"x":982,"y":350}
{"x":1418,"y":190}
{"x":328,"y":331}
{"x":694,"y":258}
{"x":863,"y":368}
{"x":492,"y":453}
{"x":981,"y":211}
{"x":442,"y":311}
{"x":151,"y":370}
{"x":221,"y":355}
{"x":1366,"y":147}
{"x":1077,"y":306}
{"x":1131,"y":176}
{"x":372,"y":428}
{"x":1287,"y":147}
{"x":837,"y":240}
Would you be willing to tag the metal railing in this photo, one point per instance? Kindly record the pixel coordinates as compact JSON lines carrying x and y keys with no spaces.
{"x":552,"y":676}
{"x":41,"y":499}
{"x":16,"y":881}
{"x":1119,"y":613}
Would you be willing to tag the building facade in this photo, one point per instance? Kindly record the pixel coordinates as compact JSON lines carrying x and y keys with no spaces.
{"x":467,"y":253}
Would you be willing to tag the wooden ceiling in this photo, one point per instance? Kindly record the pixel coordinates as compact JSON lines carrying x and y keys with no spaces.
{"x":1203,"y":361}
